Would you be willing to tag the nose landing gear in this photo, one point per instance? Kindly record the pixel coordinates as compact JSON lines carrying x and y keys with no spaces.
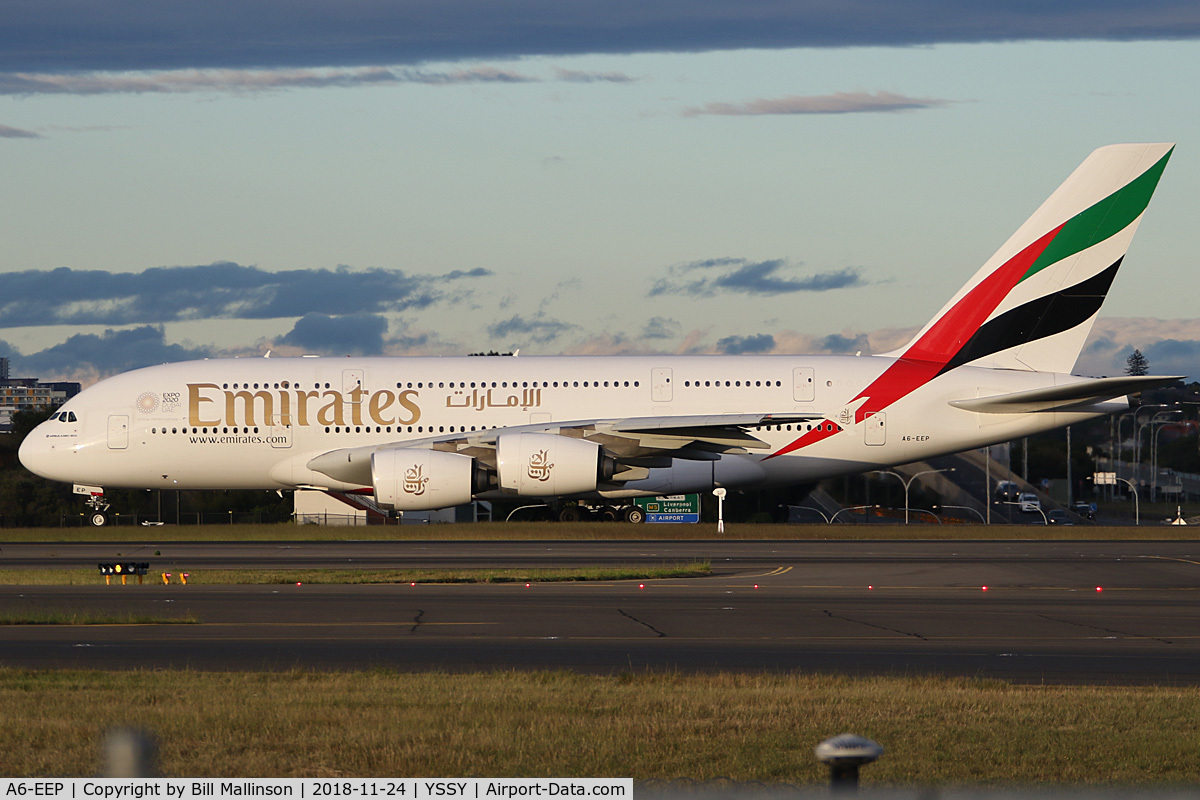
{"x":96,"y":502}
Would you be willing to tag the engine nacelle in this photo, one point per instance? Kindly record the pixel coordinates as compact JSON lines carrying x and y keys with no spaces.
{"x":423,"y":480}
{"x":547,"y":465}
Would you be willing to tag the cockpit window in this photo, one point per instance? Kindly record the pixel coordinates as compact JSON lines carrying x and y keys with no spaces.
{"x":54,"y":415}
{"x":71,"y":417}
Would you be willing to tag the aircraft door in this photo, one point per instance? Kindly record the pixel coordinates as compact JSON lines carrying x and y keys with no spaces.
{"x":281,"y":435}
{"x":804,"y":385}
{"x":352,"y":380}
{"x":660,"y":384}
{"x":875,"y":429}
{"x":118,"y":432}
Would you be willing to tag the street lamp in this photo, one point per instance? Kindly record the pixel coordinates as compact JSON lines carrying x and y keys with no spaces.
{"x":974,"y":511}
{"x":1111,"y":478}
{"x":849,"y":508}
{"x":909,"y":482}
{"x":1154,"y":432}
{"x":1137,"y":439}
{"x":1038,"y":507}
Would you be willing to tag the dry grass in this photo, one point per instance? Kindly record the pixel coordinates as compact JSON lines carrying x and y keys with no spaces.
{"x":91,"y":577}
{"x":747,"y":727}
{"x":43,"y":617}
{"x":582,"y":531}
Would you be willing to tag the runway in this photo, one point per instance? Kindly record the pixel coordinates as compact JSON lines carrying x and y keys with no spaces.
{"x":867,"y":607}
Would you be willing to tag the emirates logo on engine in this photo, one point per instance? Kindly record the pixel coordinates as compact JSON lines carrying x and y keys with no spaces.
{"x":415,"y":481}
{"x":540,"y":466}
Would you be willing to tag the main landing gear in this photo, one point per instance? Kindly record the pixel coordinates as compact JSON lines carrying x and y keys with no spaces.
{"x":633,"y":514}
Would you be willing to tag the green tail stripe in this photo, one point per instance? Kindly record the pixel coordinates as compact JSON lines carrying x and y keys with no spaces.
{"x":1106,"y":218}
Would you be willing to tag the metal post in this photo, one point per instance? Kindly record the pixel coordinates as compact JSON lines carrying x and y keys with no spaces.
{"x":128,"y":753}
{"x":844,"y":754}
{"x":1070,"y":483}
{"x":909,"y":482}
{"x":987,"y":489}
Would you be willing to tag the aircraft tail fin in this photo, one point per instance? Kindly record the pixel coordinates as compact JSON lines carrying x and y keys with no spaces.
{"x":1032,"y":305}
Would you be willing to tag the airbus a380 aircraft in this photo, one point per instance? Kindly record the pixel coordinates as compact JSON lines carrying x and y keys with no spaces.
{"x":427,"y":433}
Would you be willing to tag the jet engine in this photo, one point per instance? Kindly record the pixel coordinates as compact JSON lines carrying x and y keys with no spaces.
{"x":423,"y":480}
{"x":546,"y":464}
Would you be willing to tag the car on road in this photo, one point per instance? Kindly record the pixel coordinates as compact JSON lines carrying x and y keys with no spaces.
{"x":1085,"y":510}
{"x":1056,"y":516}
{"x":1029,"y":502}
{"x":1006,"y":492}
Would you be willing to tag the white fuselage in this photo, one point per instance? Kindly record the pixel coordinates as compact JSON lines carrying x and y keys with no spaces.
{"x":257,"y":423}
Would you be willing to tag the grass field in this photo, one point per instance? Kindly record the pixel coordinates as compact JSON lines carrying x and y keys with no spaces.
{"x":556,"y":724}
{"x":583,"y":531}
{"x":646,"y":726}
{"x":91,"y":577}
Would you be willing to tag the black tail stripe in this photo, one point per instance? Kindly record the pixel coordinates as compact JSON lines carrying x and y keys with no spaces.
{"x":1037,"y":319}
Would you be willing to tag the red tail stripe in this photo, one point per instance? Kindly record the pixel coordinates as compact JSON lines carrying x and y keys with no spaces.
{"x":925,"y":359}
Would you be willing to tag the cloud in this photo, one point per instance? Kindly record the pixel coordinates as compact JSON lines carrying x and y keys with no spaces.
{"x":87,"y":356}
{"x":740,"y":345}
{"x":838,"y":103}
{"x":1171,"y":345}
{"x":75,"y":36}
{"x":837,"y":343}
{"x":16,"y":133}
{"x":247,"y":81}
{"x":1173,"y":357}
{"x":223,"y":290}
{"x":357,"y":334}
{"x":241,"y":81}
{"x":660,"y":328}
{"x":579,"y":76}
{"x":538,"y":329}
{"x":749,"y":277}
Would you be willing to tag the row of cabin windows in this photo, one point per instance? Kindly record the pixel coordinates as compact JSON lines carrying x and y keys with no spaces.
{"x":696,"y":384}
{"x":336,"y":429}
{"x":205,"y":430}
{"x":458,"y":385}
{"x":411,"y":429}
{"x":421,"y":429}
{"x":829,"y":426}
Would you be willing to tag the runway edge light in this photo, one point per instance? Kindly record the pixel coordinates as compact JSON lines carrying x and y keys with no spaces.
{"x":844,"y":754}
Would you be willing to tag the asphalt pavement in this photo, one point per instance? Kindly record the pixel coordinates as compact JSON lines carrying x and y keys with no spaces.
{"x":1030,"y":611}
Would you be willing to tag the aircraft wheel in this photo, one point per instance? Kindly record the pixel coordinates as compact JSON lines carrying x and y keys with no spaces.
{"x":635,"y":515}
{"x":99,"y":520}
{"x":608,"y":514}
{"x":569,"y":514}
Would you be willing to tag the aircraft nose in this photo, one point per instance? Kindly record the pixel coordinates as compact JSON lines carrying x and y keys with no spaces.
{"x":35,"y":453}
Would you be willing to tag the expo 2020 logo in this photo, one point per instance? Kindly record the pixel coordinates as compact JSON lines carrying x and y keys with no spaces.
{"x":147,"y":402}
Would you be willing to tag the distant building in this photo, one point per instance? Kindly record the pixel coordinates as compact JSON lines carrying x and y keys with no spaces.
{"x":26,"y":394}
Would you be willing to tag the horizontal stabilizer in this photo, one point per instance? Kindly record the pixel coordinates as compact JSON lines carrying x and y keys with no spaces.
{"x":1061,"y":398}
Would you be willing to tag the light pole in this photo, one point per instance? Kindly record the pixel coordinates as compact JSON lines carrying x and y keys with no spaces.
{"x":1154,"y":432}
{"x":907,"y":483}
{"x":1137,"y":514}
{"x":974,"y":511}
{"x":849,"y":508}
{"x":1137,"y":438}
{"x":1045,"y":519}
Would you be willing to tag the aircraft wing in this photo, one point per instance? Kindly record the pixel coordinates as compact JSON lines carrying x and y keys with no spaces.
{"x":636,"y":442}
{"x":1069,"y":397}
